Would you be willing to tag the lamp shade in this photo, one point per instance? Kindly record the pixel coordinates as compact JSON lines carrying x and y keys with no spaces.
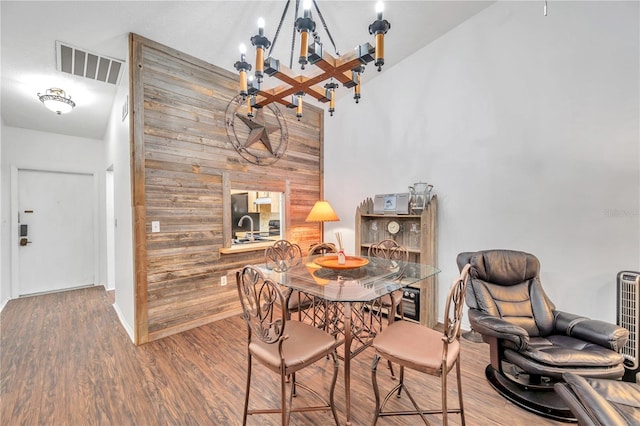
{"x":322,"y":212}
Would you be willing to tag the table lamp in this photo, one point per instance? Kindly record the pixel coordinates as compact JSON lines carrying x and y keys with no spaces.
{"x":322,"y":212}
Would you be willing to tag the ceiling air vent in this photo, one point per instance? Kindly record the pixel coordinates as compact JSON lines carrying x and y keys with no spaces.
{"x":86,"y":64}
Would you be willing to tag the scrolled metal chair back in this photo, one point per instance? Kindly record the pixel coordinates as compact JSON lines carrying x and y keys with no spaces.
{"x":454,"y":306}
{"x":282,"y":255}
{"x":260,"y":298}
{"x":390,"y":250}
{"x":322,"y":248}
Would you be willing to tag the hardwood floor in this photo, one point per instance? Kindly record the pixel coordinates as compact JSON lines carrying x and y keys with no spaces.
{"x":66,"y":360}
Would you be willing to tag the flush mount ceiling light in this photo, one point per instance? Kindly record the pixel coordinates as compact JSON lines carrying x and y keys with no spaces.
{"x":345,"y":69}
{"x":57,"y":101}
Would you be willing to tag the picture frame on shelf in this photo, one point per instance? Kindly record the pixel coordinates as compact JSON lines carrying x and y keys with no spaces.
{"x":390,"y":203}
{"x":397,"y":203}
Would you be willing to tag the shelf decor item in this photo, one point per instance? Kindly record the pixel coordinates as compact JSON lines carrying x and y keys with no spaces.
{"x":391,"y":203}
{"x":420,"y":196}
{"x":393,"y":227}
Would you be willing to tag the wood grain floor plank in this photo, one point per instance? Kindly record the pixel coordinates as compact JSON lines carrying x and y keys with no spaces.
{"x":66,"y":360}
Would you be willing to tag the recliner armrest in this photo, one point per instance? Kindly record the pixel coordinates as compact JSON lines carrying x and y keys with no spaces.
{"x":489,"y":325}
{"x":603,"y":333}
{"x":565,"y":321}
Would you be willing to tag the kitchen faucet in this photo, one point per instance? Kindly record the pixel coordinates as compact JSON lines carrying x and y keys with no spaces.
{"x":251,"y":221}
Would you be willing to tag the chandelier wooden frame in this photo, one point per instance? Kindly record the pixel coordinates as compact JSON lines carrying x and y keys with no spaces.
{"x":345,"y":69}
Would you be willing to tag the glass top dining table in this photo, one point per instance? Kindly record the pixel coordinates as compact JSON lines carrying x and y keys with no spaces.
{"x":345,"y":296}
{"x":320,"y":276}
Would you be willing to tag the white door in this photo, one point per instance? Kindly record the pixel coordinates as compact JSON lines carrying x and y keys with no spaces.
{"x":57,"y":209}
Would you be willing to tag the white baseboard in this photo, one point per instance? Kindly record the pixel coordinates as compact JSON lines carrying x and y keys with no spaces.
{"x":125,"y":325}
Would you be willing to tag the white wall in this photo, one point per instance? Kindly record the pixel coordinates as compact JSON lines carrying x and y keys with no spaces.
{"x":33,"y":149}
{"x":528,"y":127}
{"x":117,"y":155}
{"x":24,"y":148}
{"x":4,"y":294}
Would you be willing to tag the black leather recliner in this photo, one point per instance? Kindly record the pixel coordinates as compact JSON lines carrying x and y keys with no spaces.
{"x":531,"y":342}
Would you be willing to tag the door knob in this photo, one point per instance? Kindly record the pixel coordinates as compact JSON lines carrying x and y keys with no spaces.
{"x":24,"y":241}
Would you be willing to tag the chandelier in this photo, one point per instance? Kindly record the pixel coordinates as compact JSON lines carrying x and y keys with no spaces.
{"x":346,"y":69}
{"x":57,"y":101}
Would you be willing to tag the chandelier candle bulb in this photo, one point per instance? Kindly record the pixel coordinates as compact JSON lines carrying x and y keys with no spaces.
{"x":304,"y":48}
{"x":299,"y":107}
{"x":380,"y":49}
{"x":330,"y":93}
{"x":259,"y":62}
{"x":243,"y":83}
{"x":379,"y":28}
{"x":305,"y":25}
{"x":332,"y":104}
{"x":379,"y":10}
{"x":249,"y":107}
{"x":242,"y":66}
{"x":261,"y":43}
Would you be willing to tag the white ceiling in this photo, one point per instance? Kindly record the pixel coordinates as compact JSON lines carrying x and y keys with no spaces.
{"x":209,"y":30}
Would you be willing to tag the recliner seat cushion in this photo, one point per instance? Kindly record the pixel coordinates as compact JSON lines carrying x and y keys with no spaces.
{"x":565,"y":351}
{"x":535,"y":368}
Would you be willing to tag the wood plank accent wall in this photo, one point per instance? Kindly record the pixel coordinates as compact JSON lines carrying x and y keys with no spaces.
{"x":182,"y":167}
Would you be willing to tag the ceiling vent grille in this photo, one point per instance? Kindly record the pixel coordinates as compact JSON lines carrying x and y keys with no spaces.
{"x":86,"y":64}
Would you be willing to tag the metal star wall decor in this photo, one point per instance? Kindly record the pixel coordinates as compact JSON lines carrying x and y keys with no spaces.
{"x":259,"y":130}
{"x":261,"y":139}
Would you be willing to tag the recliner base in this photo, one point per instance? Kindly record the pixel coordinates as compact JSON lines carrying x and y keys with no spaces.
{"x":540,"y":400}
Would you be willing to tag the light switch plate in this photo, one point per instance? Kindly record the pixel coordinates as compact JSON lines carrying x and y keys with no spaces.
{"x":155,"y":226}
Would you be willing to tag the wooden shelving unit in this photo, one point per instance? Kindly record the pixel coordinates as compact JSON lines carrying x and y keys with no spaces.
{"x":418,"y":233}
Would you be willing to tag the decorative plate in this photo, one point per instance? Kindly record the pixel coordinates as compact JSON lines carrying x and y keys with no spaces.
{"x":331,"y":262}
